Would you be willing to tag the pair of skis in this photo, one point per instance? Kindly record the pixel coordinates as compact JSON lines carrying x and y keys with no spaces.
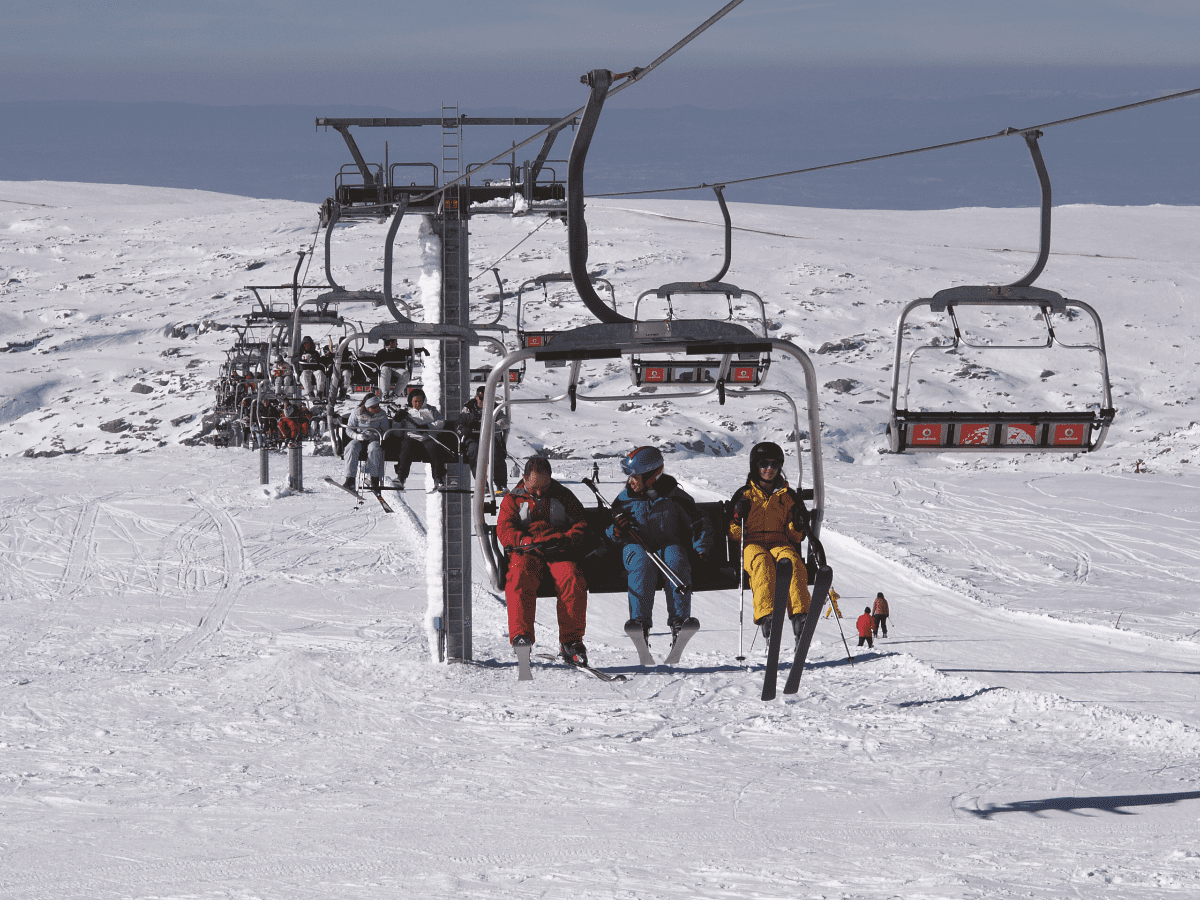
{"x":783,"y":580}
{"x":638,"y":636}
{"x":525,"y":670}
{"x":353,"y":493}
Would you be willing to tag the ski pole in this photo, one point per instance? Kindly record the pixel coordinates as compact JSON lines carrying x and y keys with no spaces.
{"x":654,"y":557}
{"x":741,"y":657}
{"x":838,"y":619}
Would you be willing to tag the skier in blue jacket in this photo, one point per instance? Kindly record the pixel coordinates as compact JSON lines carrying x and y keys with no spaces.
{"x":654,"y":509}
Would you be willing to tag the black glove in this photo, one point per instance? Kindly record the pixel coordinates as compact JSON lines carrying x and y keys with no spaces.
{"x":622,"y":525}
{"x":554,"y":548}
{"x":743,"y":508}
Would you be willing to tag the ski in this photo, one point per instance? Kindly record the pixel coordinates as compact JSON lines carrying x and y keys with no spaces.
{"x":681,"y":639}
{"x":639,"y":641}
{"x":599,"y":673}
{"x":783,"y":581}
{"x":524,"y":673}
{"x":357,"y":496}
{"x":821,"y":585}
{"x":337,"y":484}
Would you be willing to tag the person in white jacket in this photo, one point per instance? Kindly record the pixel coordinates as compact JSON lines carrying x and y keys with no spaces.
{"x":421,"y":422}
{"x":366,"y":427}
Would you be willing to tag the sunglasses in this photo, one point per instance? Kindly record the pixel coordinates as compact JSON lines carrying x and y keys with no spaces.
{"x":771,"y":464}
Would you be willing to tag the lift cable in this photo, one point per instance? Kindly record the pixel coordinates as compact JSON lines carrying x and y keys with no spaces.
{"x":1007,"y":132}
{"x":504,"y":256}
{"x":634,"y":75}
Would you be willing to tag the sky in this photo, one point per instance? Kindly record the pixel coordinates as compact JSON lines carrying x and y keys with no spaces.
{"x":529,"y":53}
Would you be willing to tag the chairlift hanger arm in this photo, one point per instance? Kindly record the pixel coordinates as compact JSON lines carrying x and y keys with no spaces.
{"x":1039,"y":164}
{"x":719,"y":190}
{"x":599,"y":80}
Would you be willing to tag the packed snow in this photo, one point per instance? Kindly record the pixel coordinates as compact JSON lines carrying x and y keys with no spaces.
{"x":216,"y":689}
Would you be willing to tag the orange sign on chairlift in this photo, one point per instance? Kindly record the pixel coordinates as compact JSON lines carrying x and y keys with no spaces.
{"x":742,"y":374}
{"x":655,"y":373}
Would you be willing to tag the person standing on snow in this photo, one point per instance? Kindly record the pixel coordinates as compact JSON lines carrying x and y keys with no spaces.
{"x":880,"y":614}
{"x":770,"y":516}
{"x":365,"y":427}
{"x":866,"y":625}
{"x":541,"y":528}
{"x":668,"y":522}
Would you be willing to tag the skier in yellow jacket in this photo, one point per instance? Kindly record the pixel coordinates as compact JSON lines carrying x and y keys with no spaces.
{"x":772,"y":516}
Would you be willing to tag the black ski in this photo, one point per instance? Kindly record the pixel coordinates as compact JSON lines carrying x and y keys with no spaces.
{"x":681,"y":639}
{"x":820,"y":592}
{"x":599,"y":673}
{"x":341,"y":487}
{"x":783,"y":581}
{"x":357,"y":496}
{"x":638,"y":636}
{"x":524,"y":673}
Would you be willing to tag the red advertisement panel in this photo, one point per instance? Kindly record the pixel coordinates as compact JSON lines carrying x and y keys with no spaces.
{"x":974,"y":435}
{"x":927,"y":435}
{"x":1069,"y":434}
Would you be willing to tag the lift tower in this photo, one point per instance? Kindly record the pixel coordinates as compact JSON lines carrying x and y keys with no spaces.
{"x":366,"y":190}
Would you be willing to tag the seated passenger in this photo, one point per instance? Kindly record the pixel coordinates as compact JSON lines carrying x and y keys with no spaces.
{"x":653,"y":515}
{"x":541,"y":528}
{"x":365,"y":427}
{"x":421,"y":422}
{"x":771,"y":517}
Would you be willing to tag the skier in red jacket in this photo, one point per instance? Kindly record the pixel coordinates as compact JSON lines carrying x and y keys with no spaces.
{"x":541,"y":527}
{"x":866,"y":625}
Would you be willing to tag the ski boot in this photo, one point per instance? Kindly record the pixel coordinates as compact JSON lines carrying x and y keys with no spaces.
{"x":574,"y":653}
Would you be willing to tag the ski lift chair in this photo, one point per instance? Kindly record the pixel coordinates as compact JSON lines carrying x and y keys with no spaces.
{"x":744,"y":368}
{"x":941,"y":431}
{"x":538,"y":339}
{"x":683,"y":336}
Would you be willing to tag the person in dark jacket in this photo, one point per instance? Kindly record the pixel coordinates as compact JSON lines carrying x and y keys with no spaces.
{"x":541,"y":528}
{"x":393,"y":369}
{"x":880,"y":613}
{"x":667,"y":523}
{"x":865,"y":624}
{"x":312,"y":368}
{"x":470,"y":423}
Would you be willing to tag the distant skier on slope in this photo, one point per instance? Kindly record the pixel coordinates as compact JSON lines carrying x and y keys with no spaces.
{"x":541,"y":527}
{"x":667,"y":522}
{"x":771,"y":515}
{"x":366,"y":427}
{"x":866,"y":625}
{"x":880,"y":614}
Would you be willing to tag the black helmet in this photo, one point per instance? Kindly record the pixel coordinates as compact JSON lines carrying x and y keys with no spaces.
{"x":767,"y":451}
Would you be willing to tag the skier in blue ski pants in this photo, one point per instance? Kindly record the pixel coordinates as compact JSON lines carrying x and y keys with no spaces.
{"x":668,"y":522}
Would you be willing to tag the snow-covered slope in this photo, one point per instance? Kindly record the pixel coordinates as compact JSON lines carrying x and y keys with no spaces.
{"x":208,"y":689}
